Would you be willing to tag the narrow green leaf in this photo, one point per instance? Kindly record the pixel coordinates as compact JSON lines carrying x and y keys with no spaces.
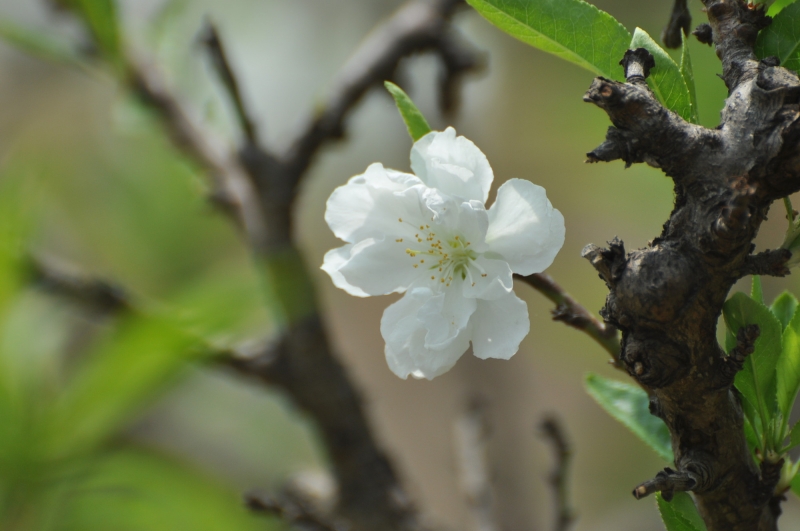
{"x":122,"y":375}
{"x":666,"y":79}
{"x":796,"y":485}
{"x":752,"y":425}
{"x":782,"y":38}
{"x":778,"y":6}
{"x":42,"y":45}
{"x":101,"y":18}
{"x":784,"y":307}
{"x":680,"y":514}
{"x":794,"y":436}
{"x":688,"y":77}
{"x":756,"y":290}
{"x":571,"y":29}
{"x":135,"y":490}
{"x":630,"y":405}
{"x":757,"y":380}
{"x":788,"y":371}
{"x":415,"y":122}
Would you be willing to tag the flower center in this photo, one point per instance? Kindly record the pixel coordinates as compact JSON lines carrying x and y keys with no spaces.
{"x":446,"y":260}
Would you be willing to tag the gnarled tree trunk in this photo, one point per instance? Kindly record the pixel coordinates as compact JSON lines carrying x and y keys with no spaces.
{"x":667,"y":297}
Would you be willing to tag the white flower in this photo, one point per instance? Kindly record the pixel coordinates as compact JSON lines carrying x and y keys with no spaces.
{"x":429,"y":235}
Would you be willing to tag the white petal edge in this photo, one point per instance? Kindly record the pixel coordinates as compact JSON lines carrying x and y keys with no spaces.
{"x":499,"y":326}
{"x":380,"y":266}
{"x":365,"y":206}
{"x":333,"y":261}
{"x":524,"y":228}
{"x":453,"y":164}
{"x":404,"y":335}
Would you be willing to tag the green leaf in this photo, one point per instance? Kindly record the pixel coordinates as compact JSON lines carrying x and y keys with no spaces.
{"x":135,"y":490}
{"x":665,"y":79}
{"x":756,"y":381}
{"x":101,"y":18}
{"x":122,"y":375}
{"x":756,"y":290}
{"x":752,"y":424}
{"x":630,"y":405}
{"x":794,"y":436}
{"x":796,"y":485}
{"x":778,"y":6}
{"x":39,"y":44}
{"x":680,"y":514}
{"x":688,"y":77}
{"x":784,"y":307}
{"x":782,"y":38}
{"x":415,"y":121}
{"x":788,"y":371}
{"x":571,"y":29}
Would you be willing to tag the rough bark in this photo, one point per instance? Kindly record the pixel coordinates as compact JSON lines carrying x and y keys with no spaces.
{"x":667,"y":297}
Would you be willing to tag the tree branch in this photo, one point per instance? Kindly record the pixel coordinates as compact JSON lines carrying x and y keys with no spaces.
{"x":667,"y":297}
{"x":417,"y":26}
{"x":471,"y":434}
{"x":570,"y":312}
{"x":219,"y":59}
{"x":260,"y":189}
{"x":553,"y":432}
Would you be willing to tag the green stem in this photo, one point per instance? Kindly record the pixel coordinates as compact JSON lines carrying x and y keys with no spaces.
{"x":787,"y":203}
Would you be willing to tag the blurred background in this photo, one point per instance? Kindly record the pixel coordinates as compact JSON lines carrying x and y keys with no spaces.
{"x":88,"y":178}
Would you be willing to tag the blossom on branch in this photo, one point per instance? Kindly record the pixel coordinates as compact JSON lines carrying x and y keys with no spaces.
{"x":430,"y":236}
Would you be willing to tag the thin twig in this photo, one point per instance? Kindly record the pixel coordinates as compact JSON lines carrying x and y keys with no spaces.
{"x":232,"y":190}
{"x":471,"y":434}
{"x":417,"y":26}
{"x":569,"y":311}
{"x":552,"y":431}
{"x":66,"y":281}
{"x":219,"y":58}
{"x":258,"y":190}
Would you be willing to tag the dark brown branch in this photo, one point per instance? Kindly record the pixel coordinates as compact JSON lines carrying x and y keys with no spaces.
{"x":570,"y":312}
{"x":667,"y":482}
{"x":219,"y":59}
{"x":417,"y":26}
{"x":667,"y":297}
{"x":772,"y":263}
{"x":258,"y":190}
{"x":553,"y":432}
{"x":232,"y":191}
{"x":63,"y":280}
{"x":303,"y":365}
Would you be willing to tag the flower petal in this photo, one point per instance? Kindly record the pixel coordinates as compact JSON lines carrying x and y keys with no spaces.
{"x":457,"y":219}
{"x":499,"y":326}
{"x":333,"y":261}
{"x":380,"y":266}
{"x":452,"y":164}
{"x":404,"y":334}
{"x":488,"y":279}
{"x":367,"y":205}
{"x":524,"y":228}
{"x":445,"y":315}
